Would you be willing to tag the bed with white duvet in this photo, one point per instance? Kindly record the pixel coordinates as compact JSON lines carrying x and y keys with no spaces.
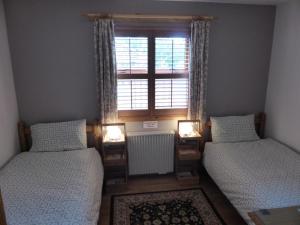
{"x":52,"y":188}
{"x":255,"y":174}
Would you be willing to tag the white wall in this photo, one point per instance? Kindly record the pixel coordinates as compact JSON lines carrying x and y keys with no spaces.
{"x":283,"y":94}
{"x":47,"y":59}
{"x":8,"y":103}
{"x":163,"y":125}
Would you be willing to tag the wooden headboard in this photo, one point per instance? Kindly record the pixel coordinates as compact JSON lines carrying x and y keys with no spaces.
{"x":92,"y":131}
{"x":260,"y":120}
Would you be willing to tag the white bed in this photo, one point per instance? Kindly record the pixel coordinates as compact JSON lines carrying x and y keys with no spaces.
{"x":255,"y":175}
{"x":52,"y":188}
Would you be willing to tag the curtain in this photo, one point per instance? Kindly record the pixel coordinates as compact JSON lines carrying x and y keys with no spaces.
{"x":106,"y":70}
{"x":198,"y":70}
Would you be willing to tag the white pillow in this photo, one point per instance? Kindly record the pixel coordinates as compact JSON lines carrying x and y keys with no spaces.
{"x":233,"y":129}
{"x":59,"y":136}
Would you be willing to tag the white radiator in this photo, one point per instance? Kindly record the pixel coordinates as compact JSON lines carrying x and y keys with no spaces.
{"x":151,"y":152}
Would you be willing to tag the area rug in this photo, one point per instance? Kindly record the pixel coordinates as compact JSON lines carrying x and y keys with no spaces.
{"x":182,"y":207}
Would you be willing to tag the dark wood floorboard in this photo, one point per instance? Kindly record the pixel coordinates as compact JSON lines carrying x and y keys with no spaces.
{"x":169,"y":182}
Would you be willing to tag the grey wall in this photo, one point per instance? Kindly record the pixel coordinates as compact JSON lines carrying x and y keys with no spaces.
{"x":283,"y":96}
{"x":8,"y":102}
{"x":52,"y":52}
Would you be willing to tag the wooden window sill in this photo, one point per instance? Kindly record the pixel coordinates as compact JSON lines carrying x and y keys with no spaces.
{"x":149,"y":118}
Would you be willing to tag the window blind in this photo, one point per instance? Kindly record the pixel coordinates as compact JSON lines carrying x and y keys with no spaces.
{"x":171,"y":93}
{"x":171,"y":55}
{"x":132,"y":55}
{"x":132,"y":94}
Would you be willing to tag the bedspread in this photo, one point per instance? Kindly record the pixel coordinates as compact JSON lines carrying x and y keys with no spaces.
{"x":255,"y":175}
{"x":52,"y":188}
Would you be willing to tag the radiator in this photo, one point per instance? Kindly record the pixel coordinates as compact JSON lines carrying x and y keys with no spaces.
{"x":151,"y":152}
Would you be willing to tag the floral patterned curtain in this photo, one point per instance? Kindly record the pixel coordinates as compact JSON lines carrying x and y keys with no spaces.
{"x":106,"y":69}
{"x":198,"y":69}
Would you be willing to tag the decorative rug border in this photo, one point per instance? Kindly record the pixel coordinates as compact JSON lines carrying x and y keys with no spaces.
{"x":111,"y":219}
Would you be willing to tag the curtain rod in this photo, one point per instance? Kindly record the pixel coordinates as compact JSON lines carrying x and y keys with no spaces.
{"x":94,"y":16}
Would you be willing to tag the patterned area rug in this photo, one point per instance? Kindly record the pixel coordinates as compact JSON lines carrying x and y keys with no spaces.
{"x":184,"y":207}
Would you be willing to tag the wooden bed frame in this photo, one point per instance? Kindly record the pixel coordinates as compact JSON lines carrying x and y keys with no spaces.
{"x":92,"y":130}
{"x":260,"y":120}
{"x":2,"y":214}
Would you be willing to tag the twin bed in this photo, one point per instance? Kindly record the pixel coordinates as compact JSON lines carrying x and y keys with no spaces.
{"x":253,"y":175}
{"x":53,"y":187}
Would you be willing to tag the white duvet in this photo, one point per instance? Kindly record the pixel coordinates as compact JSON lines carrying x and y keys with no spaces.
{"x":53,"y":188}
{"x":255,"y":175}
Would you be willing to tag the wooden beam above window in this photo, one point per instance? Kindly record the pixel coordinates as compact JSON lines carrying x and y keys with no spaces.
{"x":145,"y":17}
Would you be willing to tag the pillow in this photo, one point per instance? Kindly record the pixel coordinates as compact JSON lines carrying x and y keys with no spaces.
{"x":233,"y":129}
{"x":48,"y":137}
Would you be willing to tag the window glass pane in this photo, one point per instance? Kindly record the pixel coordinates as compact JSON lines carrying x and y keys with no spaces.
{"x":132,"y":55}
{"x":132,"y":94}
{"x":171,"y":93}
{"x":171,"y":55}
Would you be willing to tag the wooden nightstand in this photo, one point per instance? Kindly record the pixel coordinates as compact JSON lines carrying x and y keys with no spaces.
{"x":279,"y":216}
{"x":187,"y":153}
{"x":115,"y":156}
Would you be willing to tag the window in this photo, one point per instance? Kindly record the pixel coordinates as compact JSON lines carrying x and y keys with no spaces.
{"x":152,"y":75}
{"x":171,"y":55}
{"x":132,"y":55}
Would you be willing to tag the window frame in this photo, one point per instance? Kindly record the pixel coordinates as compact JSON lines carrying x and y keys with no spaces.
{"x":151,"y":112}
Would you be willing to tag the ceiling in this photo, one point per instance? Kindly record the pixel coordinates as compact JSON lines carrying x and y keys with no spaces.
{"x":254,"y":2}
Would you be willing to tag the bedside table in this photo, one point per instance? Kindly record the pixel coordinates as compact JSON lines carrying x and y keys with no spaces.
{"x":114,"y":154}
{"x":187,"y":151}
{"x":276,"y":216}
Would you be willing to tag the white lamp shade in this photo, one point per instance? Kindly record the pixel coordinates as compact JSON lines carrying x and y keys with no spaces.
{"x":113,"y":134}
{"x":186,"y":129}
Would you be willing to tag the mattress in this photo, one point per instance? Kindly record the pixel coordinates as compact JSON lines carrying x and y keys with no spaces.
{"x":53,"y":188}
{"x":255,"y":175}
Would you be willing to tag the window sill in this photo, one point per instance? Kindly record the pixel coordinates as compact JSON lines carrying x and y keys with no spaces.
{"x":150,"y":118}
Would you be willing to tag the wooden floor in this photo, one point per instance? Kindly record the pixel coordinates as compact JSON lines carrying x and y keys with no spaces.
{"x":169,"y":182}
